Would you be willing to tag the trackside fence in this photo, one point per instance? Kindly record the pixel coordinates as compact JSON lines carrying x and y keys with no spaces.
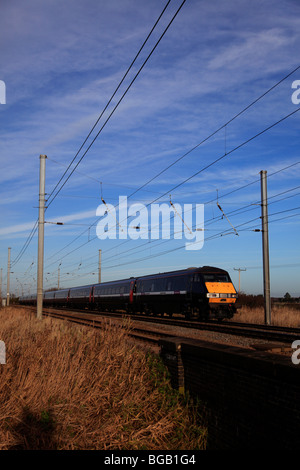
{"x":251,"y":398}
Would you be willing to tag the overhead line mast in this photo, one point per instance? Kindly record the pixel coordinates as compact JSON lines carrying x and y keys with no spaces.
{"x":265,"y":246}
{"x":40,"y":269}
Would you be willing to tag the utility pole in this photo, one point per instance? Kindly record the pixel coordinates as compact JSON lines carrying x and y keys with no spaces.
{"x":58,"y":275}
{"x":1,"y":286}
{"x":40,"y":269}
{"x":239,"y":270}
{"x":265,"y":245}
{"x":99,"y":268}
{"x":8,"y":276}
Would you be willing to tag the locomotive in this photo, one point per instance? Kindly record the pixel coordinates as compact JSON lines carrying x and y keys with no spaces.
{"x":203,"y":293}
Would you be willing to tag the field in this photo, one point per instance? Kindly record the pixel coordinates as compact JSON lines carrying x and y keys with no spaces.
{"x":67,"y":387}
{"x":280,"y":315}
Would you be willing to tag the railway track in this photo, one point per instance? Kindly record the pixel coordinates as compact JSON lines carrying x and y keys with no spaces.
{"x":147,"y":335}
{"x":285,"y":335}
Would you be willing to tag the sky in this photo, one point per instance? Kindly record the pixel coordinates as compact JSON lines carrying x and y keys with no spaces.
{"x":209,"y":102}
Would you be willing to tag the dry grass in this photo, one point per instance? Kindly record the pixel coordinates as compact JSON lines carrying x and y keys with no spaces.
{"x":280,"y":315}
{"x":68,"y":387}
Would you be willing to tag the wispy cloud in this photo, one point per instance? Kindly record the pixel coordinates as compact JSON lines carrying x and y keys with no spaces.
{"x":64,"y":219}
{"x":61,"y":61}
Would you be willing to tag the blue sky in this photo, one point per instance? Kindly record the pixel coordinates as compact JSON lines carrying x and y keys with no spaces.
{"x":61,"y":63}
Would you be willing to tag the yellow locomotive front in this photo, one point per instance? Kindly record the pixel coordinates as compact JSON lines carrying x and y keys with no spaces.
{"x":221,"y":294}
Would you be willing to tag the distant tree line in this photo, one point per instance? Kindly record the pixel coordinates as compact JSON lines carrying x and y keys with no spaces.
{"x":288,"y":298}
{"x":254,"y":301}
{"x":251,"y":301}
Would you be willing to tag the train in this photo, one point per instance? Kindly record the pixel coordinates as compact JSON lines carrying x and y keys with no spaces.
{"x":204,"y":293}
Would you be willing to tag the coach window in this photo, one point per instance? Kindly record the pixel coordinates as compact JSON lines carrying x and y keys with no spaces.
{"x":169,"y":285}
{"x":197,"y":284}
{"x":176,"y":283}
{"x":148,"y":286}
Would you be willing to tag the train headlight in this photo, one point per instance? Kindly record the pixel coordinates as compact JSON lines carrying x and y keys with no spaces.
{"x":216,"y":295}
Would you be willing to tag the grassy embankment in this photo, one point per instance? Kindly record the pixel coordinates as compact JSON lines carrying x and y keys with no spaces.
{"x":69,"y":387}
{"x":280,"y":315}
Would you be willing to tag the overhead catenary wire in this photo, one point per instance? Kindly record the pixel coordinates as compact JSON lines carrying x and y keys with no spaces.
{"x":232,"y":212}
{"x":34,"y":229}
{"x":213,"y":221}
{"x":210,"y":221}
{"x":222,"y":157}
{"x":207,"y":202}
{"x":212,"y":237}
{"x":217,"y":130}
{"x":180,"y":247}
{"x":26,"y":244}
{"x":242,"y":227}
{"x":97,"y":180}
{"x":212,"y":134}
{"x":119,"y":101}
{"x":180,"y":158}
{"x":112,"y":96}
{"x":231,"y":151}
{"x":228,"y":153}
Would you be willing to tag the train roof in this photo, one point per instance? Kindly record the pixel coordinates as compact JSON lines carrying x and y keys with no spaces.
{"x":202,"y":269}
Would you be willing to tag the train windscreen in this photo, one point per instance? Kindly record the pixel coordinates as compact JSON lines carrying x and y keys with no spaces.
{"x":216,"y":277}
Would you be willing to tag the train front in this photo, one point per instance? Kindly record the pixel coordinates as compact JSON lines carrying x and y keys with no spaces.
{"x":220,"y":294}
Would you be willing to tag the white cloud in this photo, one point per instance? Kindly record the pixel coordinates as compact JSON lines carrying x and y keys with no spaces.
{"x":62,"y":61}
{"x":24,"y":227}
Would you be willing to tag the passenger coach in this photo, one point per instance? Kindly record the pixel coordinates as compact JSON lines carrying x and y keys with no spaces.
{"x":203,"y":293}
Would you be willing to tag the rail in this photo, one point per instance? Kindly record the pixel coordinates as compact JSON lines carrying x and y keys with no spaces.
{"x":274,"y":333}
